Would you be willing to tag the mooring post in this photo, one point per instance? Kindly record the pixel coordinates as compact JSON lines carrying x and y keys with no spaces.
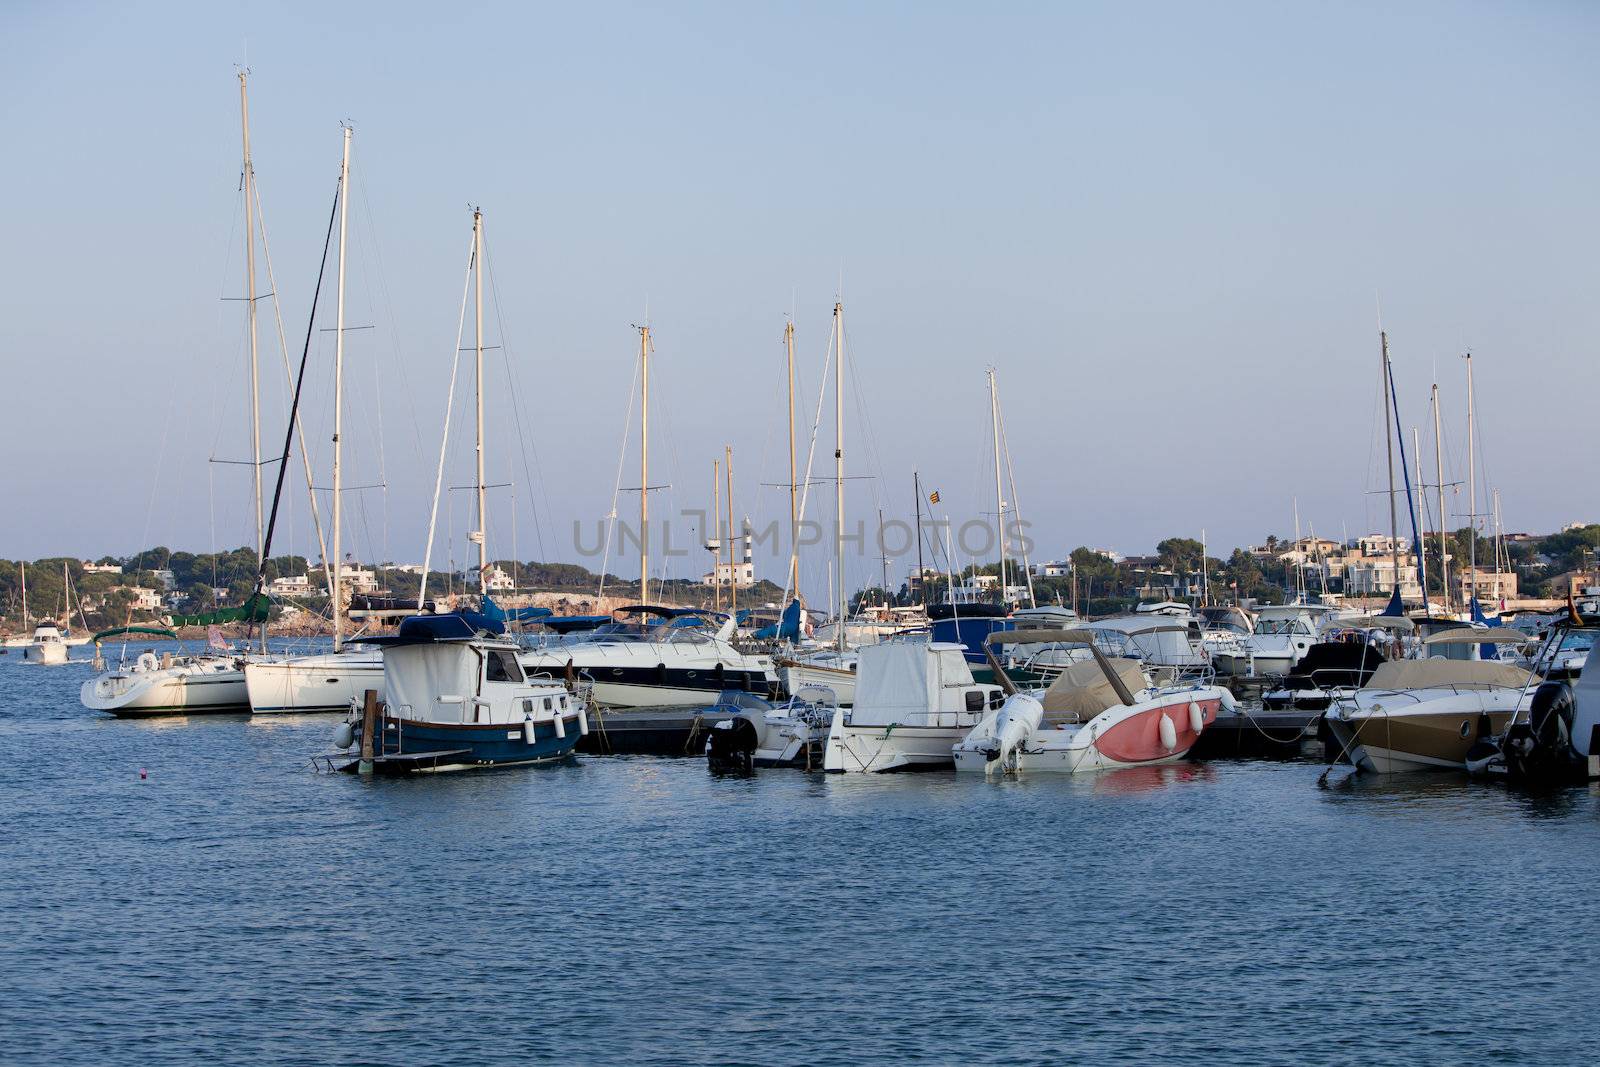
{"x":369,"y":721}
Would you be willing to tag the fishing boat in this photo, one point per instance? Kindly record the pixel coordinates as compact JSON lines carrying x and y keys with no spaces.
{"x":210,"y":683}
{"x":1098,"y":715}
{"x":915,"y":698}
{"x":458,"y":698}
{"x":1426,"y":714}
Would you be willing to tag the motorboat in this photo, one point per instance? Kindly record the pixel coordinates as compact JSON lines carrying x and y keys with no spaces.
{"x":48,"y":645}
{"x":915,"y":698}
{"x":656,"y":657}
{"x":458,"y":698}
{"x":1427,"y":713}
{"x":1344,"y":661}
{"x":323,"y":682}
{"x":1100,"y":714}
{"x":762,"y":734}
{"x":1283,"y":634}
{"x":826,"y":668}
{"x":210,"y":683}
{"x":1223,"y":630}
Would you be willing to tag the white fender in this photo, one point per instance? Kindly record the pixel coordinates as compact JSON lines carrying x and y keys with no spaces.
{"x":1169,"y":733}
{"x":344,"y":735}
{"x":1226,"y":701}
{"x":1197,"y":717}
{"x":559,"y":723}
{"x":528,"y":733}
{"x":583,"y":721}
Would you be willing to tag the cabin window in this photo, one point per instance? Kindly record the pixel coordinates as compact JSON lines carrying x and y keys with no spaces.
{"x":547,"y":704}
{"x":996,"y":698}
{"x":974,"y":700}
{"x":501,"y":666}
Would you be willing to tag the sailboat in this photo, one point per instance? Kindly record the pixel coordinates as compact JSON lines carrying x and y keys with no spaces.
{"x":332,"y":681}
{"x":211,"y":682}
{"x":457,"y":696}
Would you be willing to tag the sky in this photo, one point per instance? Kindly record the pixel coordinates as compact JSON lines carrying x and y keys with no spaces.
{"x":1172,"y":229}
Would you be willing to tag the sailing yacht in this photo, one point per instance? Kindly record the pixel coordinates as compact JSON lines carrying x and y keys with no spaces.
{"x":330,"y":681}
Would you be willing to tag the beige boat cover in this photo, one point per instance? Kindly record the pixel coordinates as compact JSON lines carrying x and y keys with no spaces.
{"x":1082,"y":691}
{"x":1470,"y":635}
{"x":1435,"y":673}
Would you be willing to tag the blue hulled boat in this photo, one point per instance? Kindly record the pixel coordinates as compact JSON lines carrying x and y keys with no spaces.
{"x":456,"y":697}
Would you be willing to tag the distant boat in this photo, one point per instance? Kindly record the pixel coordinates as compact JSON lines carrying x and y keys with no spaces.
{"x":47,"y":646}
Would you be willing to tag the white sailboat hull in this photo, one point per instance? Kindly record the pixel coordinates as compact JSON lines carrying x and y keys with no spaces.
{"x":207,"y":688}
{"x":310,"y":684}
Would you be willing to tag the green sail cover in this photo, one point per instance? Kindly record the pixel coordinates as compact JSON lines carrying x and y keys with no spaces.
{"x":252,"y":610}
{"x":120,"y":630}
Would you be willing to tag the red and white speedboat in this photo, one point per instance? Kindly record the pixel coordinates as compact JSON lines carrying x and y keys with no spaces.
{"x":1097,"y":717}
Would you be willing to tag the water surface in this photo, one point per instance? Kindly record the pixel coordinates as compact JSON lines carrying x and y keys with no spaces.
{"x":232,"y":906}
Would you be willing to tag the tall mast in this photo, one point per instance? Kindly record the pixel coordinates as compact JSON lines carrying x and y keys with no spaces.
{"x":922,"y":578}
{"x":794,"y":506}
{"x":644,"y":463}
{"x":482,"y":533}
{"x":733,"y":573}
{"x":1388,"y":444}
{"x":999,"y":497}
{"x":714,"y":542}
{"x":27,"y":620}
{"x":1472,"y":491}
{"x":338,"y":402}
{"x":250,"y":311}
{"x":838,"y":467}
{"x":1416,"y":508}
{"x":1438,"y":463}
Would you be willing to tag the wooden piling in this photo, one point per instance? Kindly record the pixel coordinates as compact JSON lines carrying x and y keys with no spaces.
{"x":369,"y":723}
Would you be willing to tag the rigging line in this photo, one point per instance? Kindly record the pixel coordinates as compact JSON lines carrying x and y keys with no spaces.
{"x":811,"y":452}
{"x":288,"y":433}
{"x":444,"y":443}
{"x":523,"y":439}
{"x":1016,"y":509}
{"x":622,"y":456}
{"x":288,"y":383}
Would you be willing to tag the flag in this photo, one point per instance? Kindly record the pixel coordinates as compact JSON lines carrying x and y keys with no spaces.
{"x":933,"y":497}
{"x":214,"y":637}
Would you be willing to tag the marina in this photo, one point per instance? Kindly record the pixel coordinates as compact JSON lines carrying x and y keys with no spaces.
{"x":819,"y":535}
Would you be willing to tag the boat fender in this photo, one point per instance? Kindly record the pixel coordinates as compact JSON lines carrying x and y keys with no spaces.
{"x":1226,"y":701}
{"x":583,"y":721}
{"x":1197,"y":717}
{"x":560,"y":724}
{"x":1169,"y":733}
{"x":529,"y":731}
{"x":344,"y":735}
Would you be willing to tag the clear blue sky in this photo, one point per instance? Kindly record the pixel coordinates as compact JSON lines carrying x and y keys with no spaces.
{"x":1167,"y":226}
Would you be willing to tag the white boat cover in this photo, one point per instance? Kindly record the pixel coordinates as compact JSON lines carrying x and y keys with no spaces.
{"x":1438,"y":673}
{"x":415,"y":676}
{"x":899,"y":681}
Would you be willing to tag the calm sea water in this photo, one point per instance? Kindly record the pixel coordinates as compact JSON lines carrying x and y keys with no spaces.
{"x":233,"y":906}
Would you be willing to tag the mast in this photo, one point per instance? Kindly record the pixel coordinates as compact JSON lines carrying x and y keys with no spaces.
{"x":250,"y":308}
{"x":644,"y":464}
{"x":1416,"y":506}
{"x":27,"y":620}
{"x":733,"y":574}
{"x":794,"y":506}
{"x":714,"y":542}
{"x":1472,"y":494}
{"x":838,"y":467}
{"x":1388,"y":444}
{"x":999,"y":497}
{"x":481,"y":535}
{"x":338,"y":401}
{"x":922,"y":578}
{"x":1438,"y":462}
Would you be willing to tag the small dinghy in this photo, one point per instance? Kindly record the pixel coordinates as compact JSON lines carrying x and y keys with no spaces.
{"x":761,"y":734}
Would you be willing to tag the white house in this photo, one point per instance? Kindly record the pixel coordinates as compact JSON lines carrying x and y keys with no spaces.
{"x":290,"y":585}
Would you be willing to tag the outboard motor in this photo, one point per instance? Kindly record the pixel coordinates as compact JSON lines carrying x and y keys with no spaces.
{"x":731,"y":746}
{"x":1014,"y":723}
{"x":1539,"y":751}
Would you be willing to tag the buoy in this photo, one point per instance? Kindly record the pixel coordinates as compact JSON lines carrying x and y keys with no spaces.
{"x":1169,"y":733}
{"x":1197,"y":717}
{"x":344,"y":735}
{"x":143,"y":774}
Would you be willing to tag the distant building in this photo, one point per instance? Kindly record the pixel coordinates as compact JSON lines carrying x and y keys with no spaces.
{"x":101,"y":568}
{"x":165,"y":578}
{"x":498,"y":581}
{"x":290,"y":585}
{"x":1055,"y":568}
{"x":1491,"y":586}
{"x":145,"y":599}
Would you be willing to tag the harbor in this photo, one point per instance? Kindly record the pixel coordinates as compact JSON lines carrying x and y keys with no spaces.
{"x":708,"y":534}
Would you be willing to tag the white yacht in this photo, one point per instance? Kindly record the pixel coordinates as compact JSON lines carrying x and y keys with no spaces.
{"x":1283,"y":634}
{"x":326,"y":682}
{"x":48,"y":645}
{"x":651,"y":657}
{"x":915,"y":698}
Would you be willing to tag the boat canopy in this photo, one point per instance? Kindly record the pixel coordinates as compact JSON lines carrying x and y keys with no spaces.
{"x":901,"y":681}
{"x":1439,"y":673}
{"x":254,"y":609}
{"x":1040,"y":637}
{"x":1467,"y":635}
{"x":1085,"y":689}
{"x":1375,"y":622}
{"x":787,"y":628}
{"x":427,"y":630}
{"x":151,"y":631}
{"x":656,"y":609}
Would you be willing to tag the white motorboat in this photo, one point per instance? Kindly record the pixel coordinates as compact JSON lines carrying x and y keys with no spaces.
{"x":1427,"y":714}
{"x":675,"y":660}
{"x":760,"y":734}
{"x":914,"y":699}
{"x":1283,"y":634}
{"x":47,"y":646}
{"x":1556,"y":741}
{"x":327,"y":682}
{"x":207,"y":684}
